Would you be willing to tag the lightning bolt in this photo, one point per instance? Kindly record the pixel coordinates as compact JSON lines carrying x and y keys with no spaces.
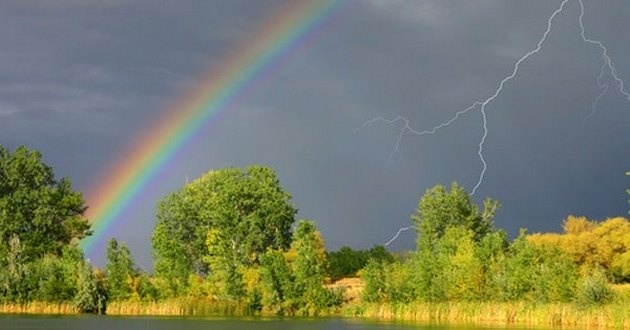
{"x":607,"y":68}
{"x":391,"y":240}
{"x":607,"y":65}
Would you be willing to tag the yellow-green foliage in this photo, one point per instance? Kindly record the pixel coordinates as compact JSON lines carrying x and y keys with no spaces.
{"x":593,"y":244}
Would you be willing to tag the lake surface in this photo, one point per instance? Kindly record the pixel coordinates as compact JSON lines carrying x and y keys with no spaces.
{"x":163,"y":323}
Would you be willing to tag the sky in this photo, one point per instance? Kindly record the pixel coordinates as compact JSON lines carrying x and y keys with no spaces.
{"x":80,"y":81}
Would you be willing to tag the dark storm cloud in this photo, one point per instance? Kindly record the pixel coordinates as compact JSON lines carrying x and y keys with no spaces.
{"x":80,"y":79}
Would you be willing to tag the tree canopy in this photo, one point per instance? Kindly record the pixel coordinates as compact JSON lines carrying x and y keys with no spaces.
{"x":245,"y":211}
{"x":45,"y":214}
{"x":440,"y":209}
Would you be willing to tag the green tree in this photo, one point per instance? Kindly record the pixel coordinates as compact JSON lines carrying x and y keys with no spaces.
{"x":373,"y":274}
{"x":346,"y":262}
{"x":246,"y":210}
{"x":309,"y":266}
{"x":278,"y":294}
{"x":491,"y":254}
{"x":90,"y":296}
{"x":440,"y":209}
{"x":538,"y":273}
{"x":463,"y":274}
{"x":44,"y":213}
{"x":13,"y":286}
{"x":120,"y":271}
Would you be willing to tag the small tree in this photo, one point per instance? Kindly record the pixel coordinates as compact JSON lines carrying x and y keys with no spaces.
{"x":309,"y":266}
{"x":13,"y":286}
{"x":90,"y":296}
{"x":374,"y":277}
{"x":120,"y":271}
{"x":440,"y":209}
{"x":278,"y":294}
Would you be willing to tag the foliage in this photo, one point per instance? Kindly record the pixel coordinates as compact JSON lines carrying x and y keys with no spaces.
{"x":309,"y":266}
{"x":14,"y":272}
{"x":245,"y":212}
{"x":346,"y":262}
{"x":293,"y":282}
{"x":45,"y":214}
{"x":539,"y":273}
{"x":593,"y":245}
{"x":374,"y":277}
{"x":225,"y":265}
{"x":91,"y":295}
{"x":440,"y":209}
{"x":120,"y":271}
{"x":594,"y":289}
{"x":276,"y":282}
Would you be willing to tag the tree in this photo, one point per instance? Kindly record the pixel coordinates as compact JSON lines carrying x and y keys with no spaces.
{"x":45,"y":214}
{"x":439,"y":209}
{"x":120,"y":271}
{"x":373,"y":274}
{"x":14,"y":272}
{"x":309,"y":265}
{"x":346,"y":262}
{"x":246,"y":210}
{"x":593,"y":245}
{"x":91,"y":296}
{"x":278,"y":292}
{"x":538,"y":272}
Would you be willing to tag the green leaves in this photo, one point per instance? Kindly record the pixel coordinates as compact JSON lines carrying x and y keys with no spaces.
{"x":120,"y":271}
{"x":246,"y":211}
{"x":44,"y":213}
{"x":439,"y":209}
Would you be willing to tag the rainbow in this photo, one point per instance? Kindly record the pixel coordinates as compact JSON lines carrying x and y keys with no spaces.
{"x":124,"y":181}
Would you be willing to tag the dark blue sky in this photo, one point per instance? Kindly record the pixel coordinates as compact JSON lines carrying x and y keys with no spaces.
{"x":79,"y":80}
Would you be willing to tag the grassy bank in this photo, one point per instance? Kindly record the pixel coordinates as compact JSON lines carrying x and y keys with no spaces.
{"x":565,"y":315}
{"x":38,"y":308}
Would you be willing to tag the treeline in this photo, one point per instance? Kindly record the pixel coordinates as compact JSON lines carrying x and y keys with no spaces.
{"x":230,"y":238}
{"x":460,"y":256}
{"x":227,"y":237}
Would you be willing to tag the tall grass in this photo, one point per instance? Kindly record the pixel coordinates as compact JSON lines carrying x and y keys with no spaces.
{"x":614,"y":315}
{"x":179,"y":307}
{"x":38,"y":308}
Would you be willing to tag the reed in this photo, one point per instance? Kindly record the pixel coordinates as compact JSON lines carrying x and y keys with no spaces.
{"x":178,"y":307}
{"x":36,"y":307}
{"x":614,"y":315}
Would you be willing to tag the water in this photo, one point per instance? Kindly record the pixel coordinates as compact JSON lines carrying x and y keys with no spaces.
{"x":163,"y":323}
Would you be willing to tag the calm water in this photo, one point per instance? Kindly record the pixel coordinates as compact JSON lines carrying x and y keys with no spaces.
{"x":164,"y":323}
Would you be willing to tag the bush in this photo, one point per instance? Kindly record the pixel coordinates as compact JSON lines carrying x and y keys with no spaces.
{"x":595,"y":289}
